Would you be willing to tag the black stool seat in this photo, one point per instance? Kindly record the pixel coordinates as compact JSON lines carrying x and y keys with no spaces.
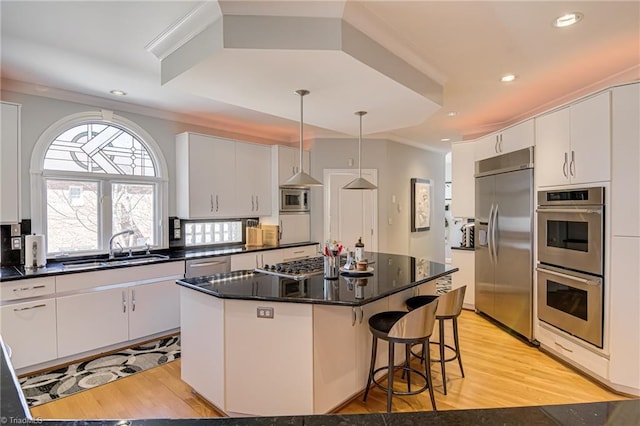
{"x":449,"y":308}
{"x":417,"y":301}
{"x":406,"y":328}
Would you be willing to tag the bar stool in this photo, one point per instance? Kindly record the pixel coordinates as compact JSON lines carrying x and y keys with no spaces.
{"x":406,"y":328}
{"x":449,"y":308}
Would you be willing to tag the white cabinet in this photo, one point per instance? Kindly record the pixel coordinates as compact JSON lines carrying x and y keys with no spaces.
{"x":294,"y":228}
{"x":624,"y":342}
{"x":92,"y":320}
{"x":10,"y":163}
{"x":154,"y":308}
{"x":462,"y":179}
{"x":573,"y":144}
{"x":256,"y":259}
{"x":625,"y":173}
{"x":508,"y":140}
{"x":464,"y":260}
{"x":288,"y":162}
{"x":28,"y":320}
{"x":221,"y":178}
{"x":102,"y":308}
{"x":253,"y":179}
{"x":205,"y":176}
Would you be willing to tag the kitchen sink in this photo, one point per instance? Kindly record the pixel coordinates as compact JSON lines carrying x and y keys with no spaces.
{"x":125,"y":260}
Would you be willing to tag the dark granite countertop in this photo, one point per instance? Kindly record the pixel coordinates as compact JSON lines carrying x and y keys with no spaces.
{"x":11,"y":273}
{"x":391,"y":273}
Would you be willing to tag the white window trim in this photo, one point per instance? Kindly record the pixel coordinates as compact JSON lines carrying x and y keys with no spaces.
{"x":39,"y":175}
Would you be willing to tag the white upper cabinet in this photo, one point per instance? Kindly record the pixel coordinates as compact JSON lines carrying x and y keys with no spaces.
{"x":253,"y":177}
{"x":289,"y":162}
{"x":462,"y":179}
{"x":508,"y":140}
{"x":221,"y":178}
{"x":10,"y":164}
{"x":625,"y":172}
{"x":573,"y":144}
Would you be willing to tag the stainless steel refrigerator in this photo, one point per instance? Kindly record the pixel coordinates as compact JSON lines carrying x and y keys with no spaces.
{"x":504,"y":240}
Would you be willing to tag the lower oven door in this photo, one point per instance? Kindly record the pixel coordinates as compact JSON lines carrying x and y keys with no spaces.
{"x":572,"y":302}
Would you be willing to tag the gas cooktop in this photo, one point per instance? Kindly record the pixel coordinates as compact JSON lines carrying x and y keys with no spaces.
{"x":297,"y":269}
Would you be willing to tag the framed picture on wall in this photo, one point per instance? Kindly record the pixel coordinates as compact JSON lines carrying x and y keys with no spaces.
{"x":420,"y":204}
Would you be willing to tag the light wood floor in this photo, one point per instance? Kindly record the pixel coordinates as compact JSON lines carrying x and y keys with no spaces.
{"x":500,"y":371}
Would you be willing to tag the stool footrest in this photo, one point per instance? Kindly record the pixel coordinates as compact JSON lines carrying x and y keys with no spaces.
{"x":455,"y":355}
{"x":395,"y":392}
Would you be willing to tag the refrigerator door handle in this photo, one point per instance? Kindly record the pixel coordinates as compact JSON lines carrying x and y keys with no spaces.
{"x":490,"y":235}
{"x":494,"y":234}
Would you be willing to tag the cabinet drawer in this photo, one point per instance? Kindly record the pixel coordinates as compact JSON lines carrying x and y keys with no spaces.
{"x":295,"y":253}
{"x":574,"y":353}
{"x":24,"y":289}
{"x":30,"y":330}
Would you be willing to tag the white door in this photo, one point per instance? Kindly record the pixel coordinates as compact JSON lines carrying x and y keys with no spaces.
{"x":350,"y":214}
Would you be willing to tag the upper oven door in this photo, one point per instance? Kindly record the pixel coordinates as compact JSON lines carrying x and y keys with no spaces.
{"x":571,"y":237}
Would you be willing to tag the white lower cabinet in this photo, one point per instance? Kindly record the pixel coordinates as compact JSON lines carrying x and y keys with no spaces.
{"x":294,"y":228}
{"x":464,"y":260}
{"x":570,"y":351}
{"x":153,"y":308}
{"x":92,"y":320}
{"x":29,"y":329}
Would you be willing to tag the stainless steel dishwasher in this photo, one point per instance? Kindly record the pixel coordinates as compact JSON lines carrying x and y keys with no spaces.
{"x":207,"y":266}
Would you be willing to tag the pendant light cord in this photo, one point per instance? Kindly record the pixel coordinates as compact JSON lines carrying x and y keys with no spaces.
{"x":360,"y":149}
{"x":302,"y":93}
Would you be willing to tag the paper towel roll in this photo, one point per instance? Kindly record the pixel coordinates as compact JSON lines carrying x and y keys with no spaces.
{"x":34,"y":255}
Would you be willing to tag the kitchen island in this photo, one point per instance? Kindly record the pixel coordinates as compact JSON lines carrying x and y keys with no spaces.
{"x":262,"y":345}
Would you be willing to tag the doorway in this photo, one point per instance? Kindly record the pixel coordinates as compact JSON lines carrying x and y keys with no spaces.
{"x":350,"y":214}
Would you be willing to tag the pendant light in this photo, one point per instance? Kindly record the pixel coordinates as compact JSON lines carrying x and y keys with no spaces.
{"x":360,"y":182}
{"x":301,"y":179}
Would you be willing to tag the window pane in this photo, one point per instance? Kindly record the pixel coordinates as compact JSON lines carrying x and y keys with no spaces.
{"x":99,"y":148}
{"x":133,"y":208}
{"x":72,"y":216}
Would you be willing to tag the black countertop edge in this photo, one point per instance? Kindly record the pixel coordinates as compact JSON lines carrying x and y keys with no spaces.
{"x":463,"y":248}
{"x":317,"y":301}
{"x":13,"y":273}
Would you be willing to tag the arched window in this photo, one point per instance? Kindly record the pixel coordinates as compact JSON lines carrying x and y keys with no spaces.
{"x":98,"y":177}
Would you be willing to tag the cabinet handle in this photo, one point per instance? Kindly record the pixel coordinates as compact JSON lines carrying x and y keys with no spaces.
{"x":353,"y":317}
{"x":217,"y":205}
{"x":253,"y":206}
{"x":572,"y":165}
{"x":566,"y":349}
{"x":280,"y":231}
{"x":298,"y":252}
{"x":211,"y":200}
{"x":500,"y":144}
{"x":257,"y":205}
{"x":124,"y":302}
{"x":495,"y":145}
{"x":361,"y":314}
{"x":564,"y":166}
{"x":28,"y":288}
{"x":29,"y":307}
{"x":133,"y":300}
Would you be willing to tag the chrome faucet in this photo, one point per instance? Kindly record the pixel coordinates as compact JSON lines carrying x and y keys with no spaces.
{"x":111,"y":250}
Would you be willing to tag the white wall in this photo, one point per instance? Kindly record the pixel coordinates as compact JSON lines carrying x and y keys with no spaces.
{"x":396,"y":164}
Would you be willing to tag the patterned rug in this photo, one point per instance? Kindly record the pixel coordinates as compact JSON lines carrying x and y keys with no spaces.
{"x":50,"y":385}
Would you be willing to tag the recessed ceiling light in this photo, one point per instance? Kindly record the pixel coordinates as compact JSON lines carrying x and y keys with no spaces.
{"x":567,"y":19}
{"x":507,"y":78}
{"x":118,"y":92}
{"x":445,"y":140}
{"x":452,"y":113}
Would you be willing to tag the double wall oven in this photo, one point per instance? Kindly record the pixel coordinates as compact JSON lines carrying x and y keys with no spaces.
{"x":570,"y":266}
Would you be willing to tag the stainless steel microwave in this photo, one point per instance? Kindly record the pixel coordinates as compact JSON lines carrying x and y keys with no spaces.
{"x":294,"y":200}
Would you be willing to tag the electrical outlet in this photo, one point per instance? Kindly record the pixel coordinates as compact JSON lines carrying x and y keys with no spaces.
{"x":16,"y":243}
{"x":15,"y":230}
{"x":265,"y":312}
